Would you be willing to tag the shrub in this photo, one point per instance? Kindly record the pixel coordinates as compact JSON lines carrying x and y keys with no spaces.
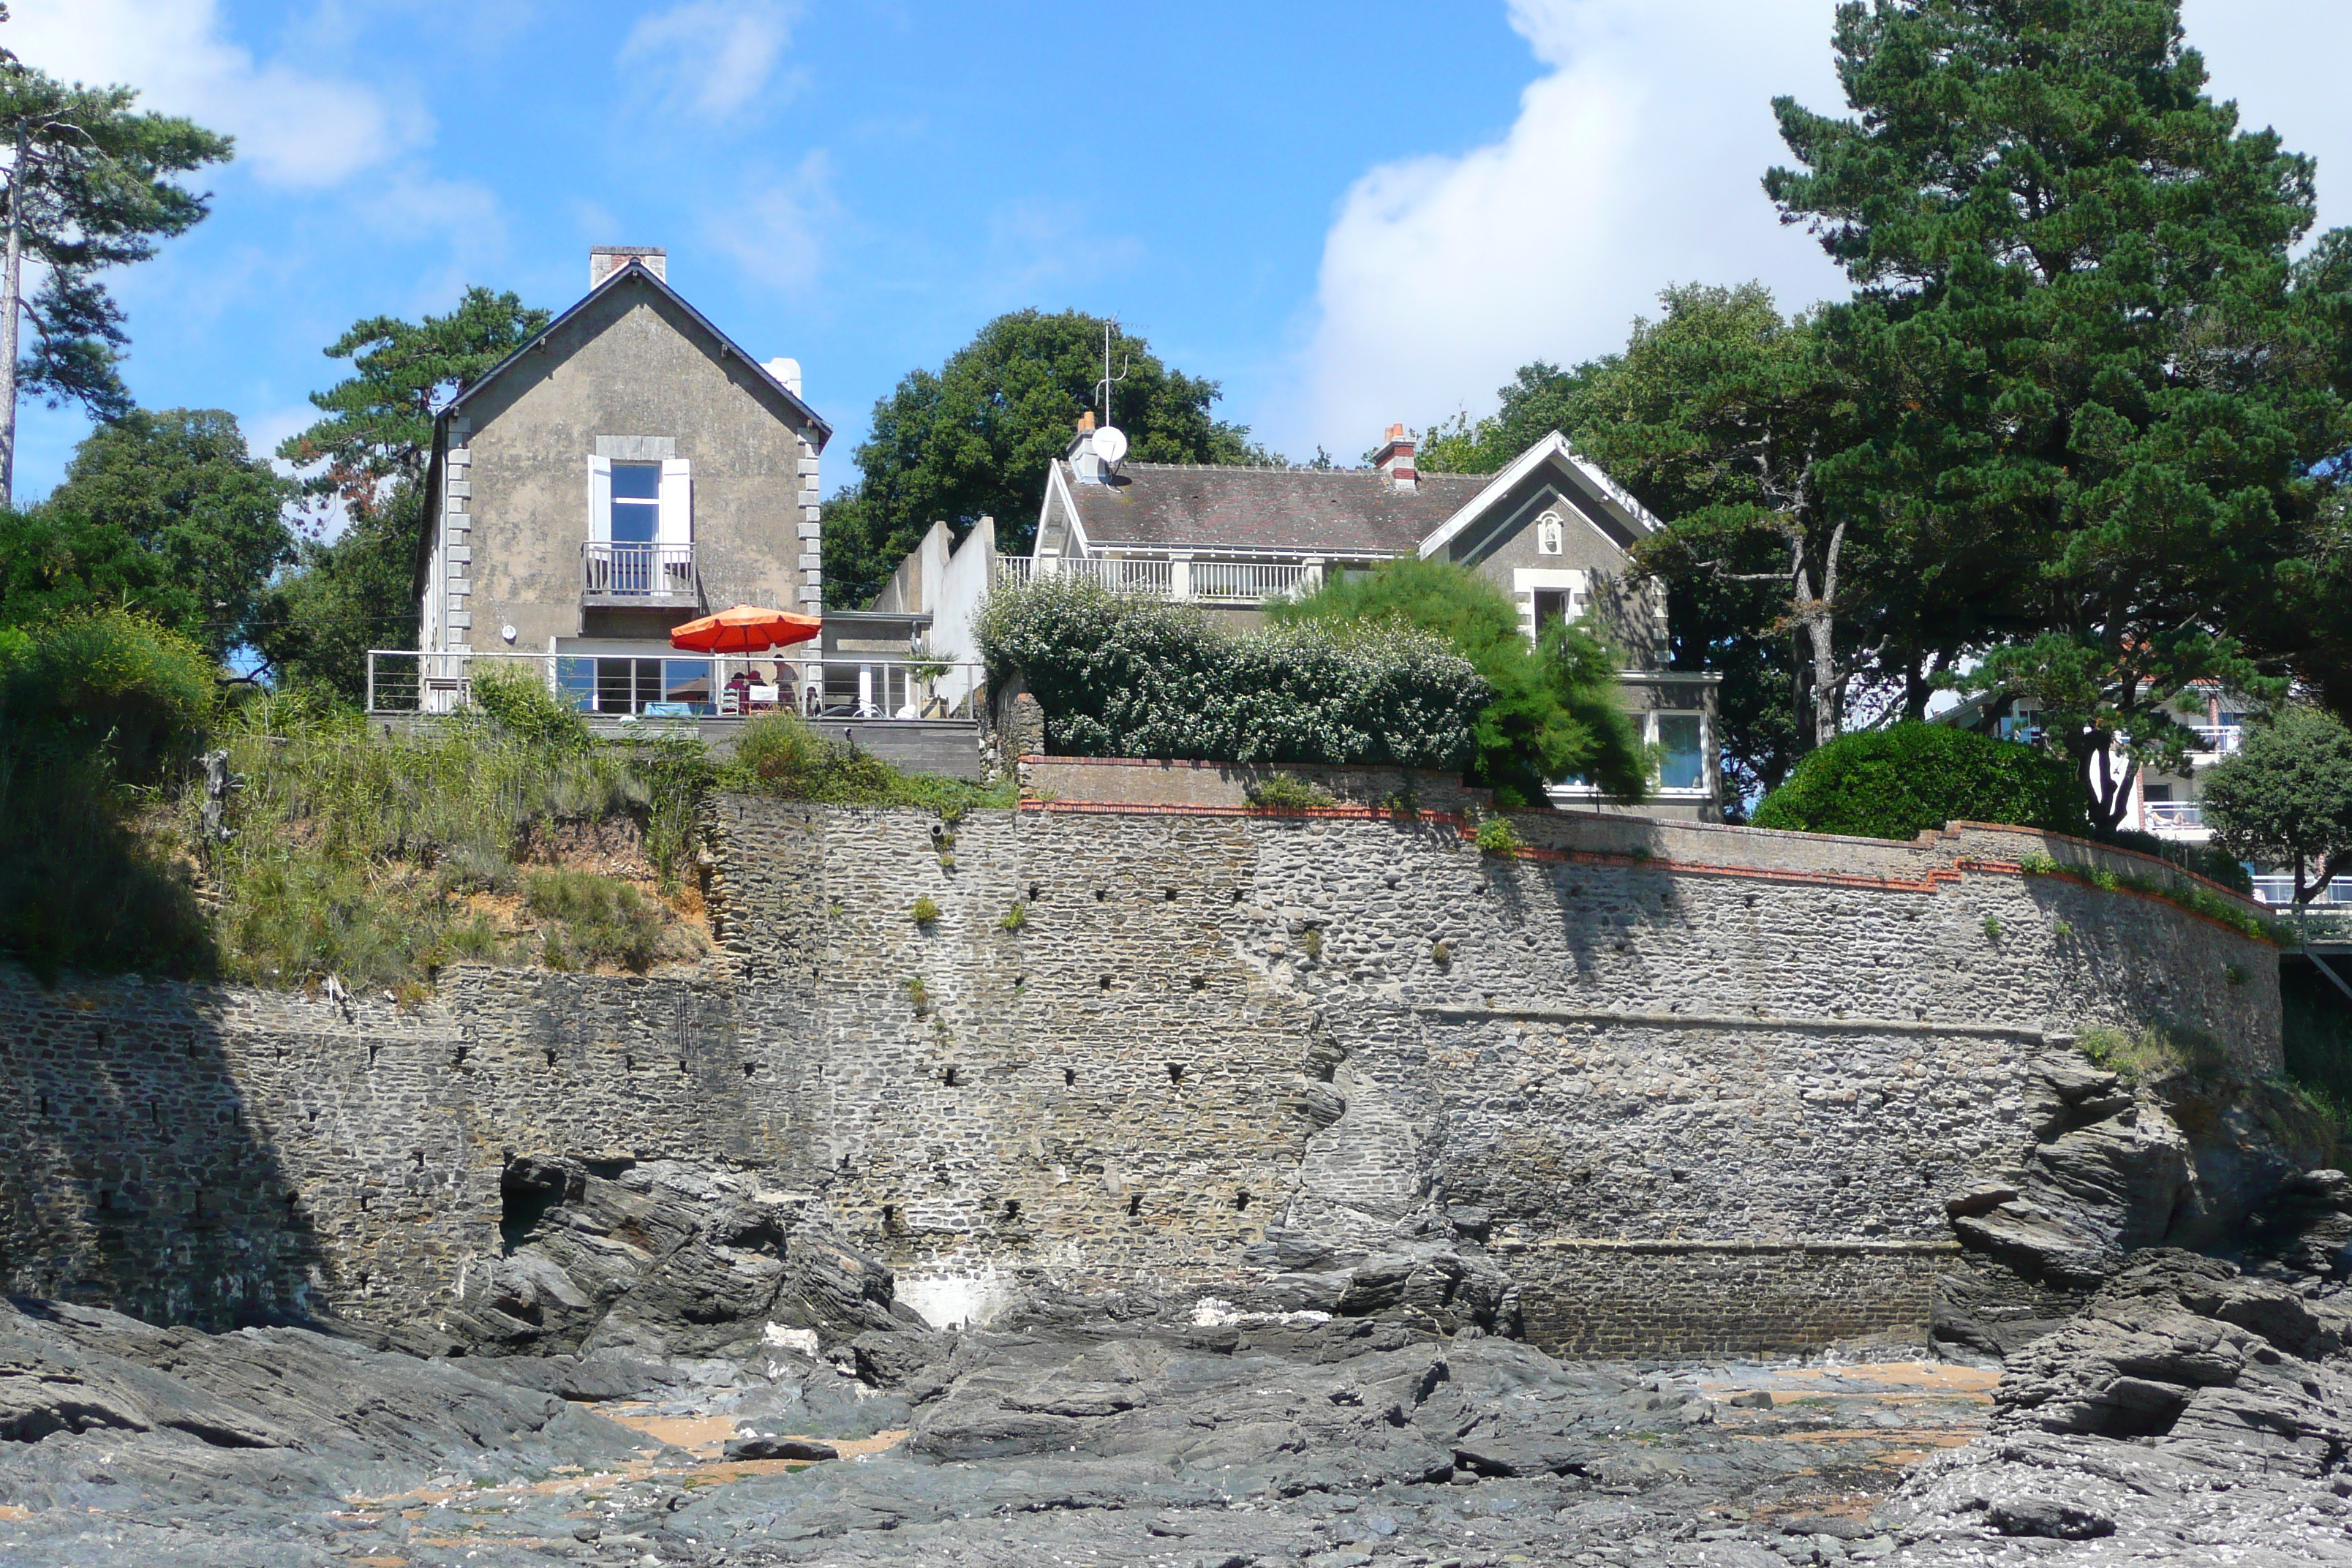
{"x":1287,"y":792}
{"x":1014,"y":918}
{"x":2204,"y":860}
{"x":97,"y":712}
{"x":780,"y":754}
{"x":1900,"y":782}
{"x":1555,"y":710}
{"x":603,"y":919}
{"x":2152,"y":1055}
{"x":925,"y":910}
{"x":1125,"y":675}
{"x":521,"y":705}
{"x":1496,"y":837}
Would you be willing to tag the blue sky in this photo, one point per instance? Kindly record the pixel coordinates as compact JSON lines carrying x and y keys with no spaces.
{"x":1346,"y":214}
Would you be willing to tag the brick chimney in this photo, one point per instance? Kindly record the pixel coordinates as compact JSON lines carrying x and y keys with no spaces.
{"x":604,"y":261}
{"x":1395,"y":460}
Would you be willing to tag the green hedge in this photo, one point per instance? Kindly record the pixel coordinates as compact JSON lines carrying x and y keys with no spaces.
{"x":1124,"y":675}
{"x":1900,"y":782}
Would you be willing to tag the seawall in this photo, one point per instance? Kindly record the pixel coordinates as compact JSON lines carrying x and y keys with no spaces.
{"x":1698,"y":1088}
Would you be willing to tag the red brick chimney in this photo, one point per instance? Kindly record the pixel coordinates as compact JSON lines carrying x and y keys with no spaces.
{"x":1395,"y":459}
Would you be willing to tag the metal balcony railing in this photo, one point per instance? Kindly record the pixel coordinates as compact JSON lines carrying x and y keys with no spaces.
{"x":637,"y":573}
{"x":2163,"y":814}
{"x":619,"y":686}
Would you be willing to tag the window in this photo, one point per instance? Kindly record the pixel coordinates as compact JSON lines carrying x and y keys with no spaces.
{"x":640,"y":527}
{"x":1551,"y":536}
{"x":1682,"y":752}
{"x":631,"y":685}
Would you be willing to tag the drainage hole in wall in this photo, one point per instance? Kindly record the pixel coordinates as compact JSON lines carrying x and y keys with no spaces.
{"x":1200,"y":983}
{"x":682,"y":1067}
{"x":1240,"y":1199}
{"x":458,"y":1059}
{"x":1035,"y":888}
{"x":890,"y":1225}
{"x":1012,"y":1210}
{"x":950,"y":1077}
{"x":105,"y":1199}
{"x":1171,"y":894}
{"x":1175,"y":1072}
{"x":749,"y":1067}
{"x":1069,"y":1078}
{"x":417,"y":1155}
{"x":1106,"y":982}
{"x":550,"y":1054}
{"x":628,"y":1064}
{"x":1134,"y":1204}
{"x":1101,"y":893}
{"x":45,"y":1105}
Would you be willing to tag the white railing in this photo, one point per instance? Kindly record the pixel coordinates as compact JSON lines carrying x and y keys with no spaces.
{"x":1223,"y":582}
{"x":1249,"y":582}
{"x":622,"y":571}
{"x":2280,"y":891}
{"x":677,"y":685}
{"x":2219,"y":740}
{"x":2160,"y":813}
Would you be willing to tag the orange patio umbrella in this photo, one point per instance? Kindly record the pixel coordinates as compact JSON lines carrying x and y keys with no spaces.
{"x":746,"y":628}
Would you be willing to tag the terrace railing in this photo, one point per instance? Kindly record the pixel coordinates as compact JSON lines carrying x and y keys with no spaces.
{"x":685,"y":686}
{"x":1216,"y":581}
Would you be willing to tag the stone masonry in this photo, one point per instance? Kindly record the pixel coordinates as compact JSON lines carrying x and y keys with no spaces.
{"x":1697,"y":1088}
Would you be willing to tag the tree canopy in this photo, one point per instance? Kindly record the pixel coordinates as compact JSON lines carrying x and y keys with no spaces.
{"x":2285,"y":799}
{"x":1554,"y":713}
{"x":974,"y":440}
{"x":87,"y":185}
{"x":2079,"y":352}
{"x":179,"y":485}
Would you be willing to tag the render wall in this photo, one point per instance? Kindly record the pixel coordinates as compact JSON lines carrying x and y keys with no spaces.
{"x":1657,"y":1066}
{"x":632,"y":365}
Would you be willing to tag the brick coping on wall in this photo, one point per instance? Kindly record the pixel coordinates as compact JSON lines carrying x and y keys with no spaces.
{"x":1926,"y":841}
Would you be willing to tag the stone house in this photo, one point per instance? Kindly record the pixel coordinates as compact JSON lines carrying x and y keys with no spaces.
{"x":1552,"y":531}
{"x":629,"y":469}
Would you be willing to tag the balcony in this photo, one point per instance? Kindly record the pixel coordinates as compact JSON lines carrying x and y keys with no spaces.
{"x":2183,"y":818}
{"x":1209,"y":582}
{"x":652,"y":576}
{"x":2217,"y":740}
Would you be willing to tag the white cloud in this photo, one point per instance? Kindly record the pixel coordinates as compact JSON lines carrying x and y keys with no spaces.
{"x":1632,"y":164}
{"x":777,"y":232}
{"x":711,"y":56}
{"x":1635,"y":162}
{"x":293,"y":126}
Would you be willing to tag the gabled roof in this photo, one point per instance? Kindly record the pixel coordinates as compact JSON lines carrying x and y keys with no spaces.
{"x":1342,"y":511}
{"x":1328,"y":512}
{"x":637,"y":271}
{"x":1593,"y":486}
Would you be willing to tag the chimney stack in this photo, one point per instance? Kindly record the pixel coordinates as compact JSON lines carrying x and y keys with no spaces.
{"x":604,"y":261}
{"x":1082,"y":462}
{"x":1395,"y":460}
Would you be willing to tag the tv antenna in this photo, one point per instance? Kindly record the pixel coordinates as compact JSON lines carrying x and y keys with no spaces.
{"x":1102,"y":387}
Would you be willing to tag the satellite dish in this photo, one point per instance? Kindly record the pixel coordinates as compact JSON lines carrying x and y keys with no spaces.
{"x":1110,"y":444}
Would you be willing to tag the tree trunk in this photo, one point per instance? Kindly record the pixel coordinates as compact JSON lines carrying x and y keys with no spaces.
{"x":11,"y":280}
{"x":2109,"y":794}
{"x":1814,"y":614}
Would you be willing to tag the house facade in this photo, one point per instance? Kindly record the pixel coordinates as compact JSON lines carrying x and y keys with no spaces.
{"x":629,"y":469}
{"x":1552,"y":531}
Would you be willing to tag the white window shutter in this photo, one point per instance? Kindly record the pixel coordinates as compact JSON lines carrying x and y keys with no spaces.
{"x":677,"y":524}
{"x":600,"y":500}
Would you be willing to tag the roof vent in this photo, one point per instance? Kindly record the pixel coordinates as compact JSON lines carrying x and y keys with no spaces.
{"x":604,"y":261}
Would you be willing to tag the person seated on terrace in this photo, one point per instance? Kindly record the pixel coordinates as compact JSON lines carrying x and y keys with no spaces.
{"x":738,"y":693}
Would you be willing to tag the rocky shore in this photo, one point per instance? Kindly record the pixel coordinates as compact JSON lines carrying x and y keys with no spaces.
{"x":2188,"y":1410}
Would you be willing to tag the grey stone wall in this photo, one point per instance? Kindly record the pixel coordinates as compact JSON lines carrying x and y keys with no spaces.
{"x":1655,"y":1066}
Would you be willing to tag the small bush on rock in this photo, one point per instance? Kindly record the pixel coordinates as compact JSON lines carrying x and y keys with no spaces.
{"x":1901,"y":782}
{"x":925,"y":910}
{"x":1495,"y":837}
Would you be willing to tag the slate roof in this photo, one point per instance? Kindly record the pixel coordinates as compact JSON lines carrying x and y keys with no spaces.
{"x":1306,"y":510}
